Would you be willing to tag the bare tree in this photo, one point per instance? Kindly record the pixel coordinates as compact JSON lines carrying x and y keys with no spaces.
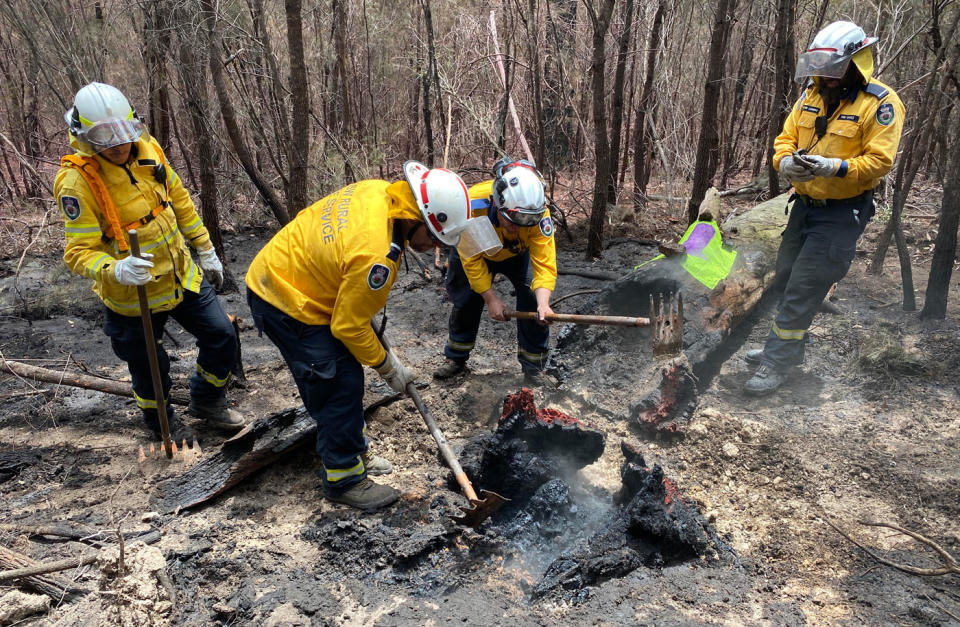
{"x":782,"y":96}
{"x":945,"y":247}
{"x":616,"y":123}
{"x":708,"y":144}
{"x":601,"y":184}
{"x":300,"y":100}
{"x":646,"y":106}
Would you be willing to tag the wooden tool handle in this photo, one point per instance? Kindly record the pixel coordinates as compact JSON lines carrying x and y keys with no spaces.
{"x":151,"y":341}
{"x":620,"y":321}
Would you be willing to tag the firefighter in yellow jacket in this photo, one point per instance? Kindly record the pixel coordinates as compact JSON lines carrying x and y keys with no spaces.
{"x":314,"y":289}
{"x":117,"y":180}
{"x":838,"y":141}
{"x":514,"y":203}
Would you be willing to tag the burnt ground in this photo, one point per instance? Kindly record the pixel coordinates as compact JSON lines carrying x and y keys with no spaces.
{"x":867,"y":429}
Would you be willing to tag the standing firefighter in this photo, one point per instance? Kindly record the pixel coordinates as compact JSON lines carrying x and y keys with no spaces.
{"x":839,"y":139}
{"x":513,"y":202}
{"x":118,"y":179}
{"x":314,"y":288}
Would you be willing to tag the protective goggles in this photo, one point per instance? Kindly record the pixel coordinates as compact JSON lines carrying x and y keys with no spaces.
{"x":822,"y":62}
{"x":108,"y":133}
{"x":523,"y":216}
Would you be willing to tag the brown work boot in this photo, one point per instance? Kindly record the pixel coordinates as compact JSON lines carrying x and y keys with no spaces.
{"x":538,"y":379}
{"x":450,"y":368}
{"x":218,"y":415}
{"x":375,"y":464}
{"x":366,"y":496}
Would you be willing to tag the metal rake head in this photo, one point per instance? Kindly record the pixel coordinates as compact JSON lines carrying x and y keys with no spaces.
{"x":666,"y":321}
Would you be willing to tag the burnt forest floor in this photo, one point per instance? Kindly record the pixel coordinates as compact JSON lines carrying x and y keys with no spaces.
{"x":867,"y":429}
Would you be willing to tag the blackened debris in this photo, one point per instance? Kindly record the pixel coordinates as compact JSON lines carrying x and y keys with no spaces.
{"x":668,"y":408}
{"x":529,"y":448}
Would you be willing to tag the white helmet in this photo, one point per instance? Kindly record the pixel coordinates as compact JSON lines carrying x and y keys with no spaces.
{"x":442,"y":198}
{"x":518,"y":191}
{"x":830,"y":51}
{"x":102,"y":117}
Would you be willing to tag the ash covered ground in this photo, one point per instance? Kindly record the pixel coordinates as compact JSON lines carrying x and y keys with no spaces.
{"x":852,"y":436}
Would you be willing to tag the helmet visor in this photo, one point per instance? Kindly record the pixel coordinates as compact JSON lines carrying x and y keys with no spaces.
{"x":478,"y":237}
{"x":825,"y":63}
{"x":523,"y":216}
{"x":110,"y":133}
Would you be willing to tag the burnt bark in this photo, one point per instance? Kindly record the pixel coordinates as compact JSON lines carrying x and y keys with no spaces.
{"x":156,"y":36}
{"x":782,"y":97}
{"x":299,"y":151}
{"x":425,"y":81}
{"x":945,"y":247}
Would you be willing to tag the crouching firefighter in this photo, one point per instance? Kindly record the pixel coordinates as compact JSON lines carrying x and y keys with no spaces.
{"x":838,"y":141}
{"x":525,"y":252}
{"x":117,"y":180}
{"x":314,"y":289}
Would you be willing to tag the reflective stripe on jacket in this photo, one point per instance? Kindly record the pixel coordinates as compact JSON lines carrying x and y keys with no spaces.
{"x":864,"y":132}
{"x":538,"y":239}
{"x":91,"y":251}
{"x":334,"y":264}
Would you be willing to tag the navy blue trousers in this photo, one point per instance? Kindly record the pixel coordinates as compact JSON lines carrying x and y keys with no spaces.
{"x":330,"y":381}
{"x":533,"y":339}
{"x":202,"y":316}
{"x":816,"y":251}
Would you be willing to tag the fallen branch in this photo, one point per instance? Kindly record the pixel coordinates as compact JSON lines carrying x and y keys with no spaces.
{"x":423,"y":267}
{"x":599,"y":276}
{"x":949,"y":567}
{"x":87,"y":382}
{"x":54,"y":586}
{"x":44,"y":568}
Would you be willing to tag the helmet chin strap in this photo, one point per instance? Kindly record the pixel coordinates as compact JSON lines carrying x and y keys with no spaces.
{"x":416,"y":226}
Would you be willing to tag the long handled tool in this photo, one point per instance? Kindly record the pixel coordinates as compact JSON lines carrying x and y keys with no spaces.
{"x":666,"y":318}
{"x":168,"y":445}
{"x":480,"y":508}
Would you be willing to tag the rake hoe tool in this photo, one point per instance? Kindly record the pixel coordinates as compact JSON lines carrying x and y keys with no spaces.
{"x":169,"y":446}
{"x":666,"y":322}
{"x":482,"y":506}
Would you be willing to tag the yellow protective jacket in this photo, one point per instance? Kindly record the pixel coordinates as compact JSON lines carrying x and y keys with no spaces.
{"x":92,"y":245}
{"x":334,"y":264}
{"x":537,"y":239}
{"x":864,"y":131}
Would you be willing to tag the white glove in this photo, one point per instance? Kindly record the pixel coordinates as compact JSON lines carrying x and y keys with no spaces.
{"x":133,"y":270}
{"x":794,"y":171}
{"x":395,"y":373}
{"x":823,"y":166}
{"x":211,"y":266}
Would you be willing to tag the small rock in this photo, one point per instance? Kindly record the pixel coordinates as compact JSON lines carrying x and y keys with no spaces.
{"x":149,"y":517}
{"x":730,"y":450}
{"x":864,"y":475}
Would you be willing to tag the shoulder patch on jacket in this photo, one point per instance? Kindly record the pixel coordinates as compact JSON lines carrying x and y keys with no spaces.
{"x":70,"y":207}
{"x":546,"y":226}
{"x":378,"y":275}
{"x":876,"y":90}
{"x":886,"y":114}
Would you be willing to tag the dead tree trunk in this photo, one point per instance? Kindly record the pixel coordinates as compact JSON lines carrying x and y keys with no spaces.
{"x":598,"y":213}
{"x":642,"y":155}
{"x":157,"y":41}
{"x":536,"y":79}
{"x":708,"y":144}
{"x":945,"y":247}
{"x":425,"y":80}
{"x":616,"y":123}
{"x":299,"y":152}
{"x":781,"y":98}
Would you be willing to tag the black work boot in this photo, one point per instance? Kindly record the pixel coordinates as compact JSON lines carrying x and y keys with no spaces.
{"x":753,"y":357}
{"x":374,"y":464}
{"x":766,"y":380}
{"x":366,"y":496}
{"x":217,"y":414}
{"x":178,"y":431}
{"x":450,"y":368}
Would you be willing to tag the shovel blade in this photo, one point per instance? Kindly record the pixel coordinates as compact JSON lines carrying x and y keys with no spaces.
{"x":480,"y":509}
{"x":666,"y":321}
